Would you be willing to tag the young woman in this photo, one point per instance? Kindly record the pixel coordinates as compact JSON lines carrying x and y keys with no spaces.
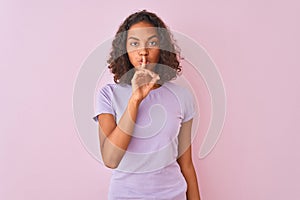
{"x":144,"y":119}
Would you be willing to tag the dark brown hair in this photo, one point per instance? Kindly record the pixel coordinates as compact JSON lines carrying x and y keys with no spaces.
{"x":119,"y":63}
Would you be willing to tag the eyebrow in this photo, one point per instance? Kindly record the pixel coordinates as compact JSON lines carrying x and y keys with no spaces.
{"x":134,"y":38}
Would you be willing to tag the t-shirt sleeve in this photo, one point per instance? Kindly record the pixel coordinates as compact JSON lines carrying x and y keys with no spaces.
{"x":188,"y":104}
{"x":103,"y":102}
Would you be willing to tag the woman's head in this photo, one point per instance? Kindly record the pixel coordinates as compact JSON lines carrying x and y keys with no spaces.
{"x":143,"y":34}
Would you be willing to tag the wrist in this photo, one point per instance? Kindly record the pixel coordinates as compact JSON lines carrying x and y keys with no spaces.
{"x":135,"y":100}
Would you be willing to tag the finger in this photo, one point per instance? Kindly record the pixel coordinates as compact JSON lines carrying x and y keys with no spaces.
{"x":150,"y":73}
{"x":139,"y":75}
{"x":155,"y":79}
{"x":143,"y":62}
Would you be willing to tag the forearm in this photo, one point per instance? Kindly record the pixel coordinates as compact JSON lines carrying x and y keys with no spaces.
{"x":115,"y":144}
{"x":191,"y":179}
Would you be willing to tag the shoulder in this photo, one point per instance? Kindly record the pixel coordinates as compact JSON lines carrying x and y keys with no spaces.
{"x":111,"y":92}
{"x":113,"y":87}
{"x":185,"y":98}
{"x":178,"y":90}
{"x":110,"y":86}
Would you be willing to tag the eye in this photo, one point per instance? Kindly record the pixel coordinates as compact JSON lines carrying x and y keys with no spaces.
{"x":134,"y":44}
{"x":153,"y":43}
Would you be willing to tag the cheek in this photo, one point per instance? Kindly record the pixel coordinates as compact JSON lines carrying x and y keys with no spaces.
{"x":130,"y":52}
{"x":155,"y":54}
{"x":132,"y":58}
{"x":131,"y":55}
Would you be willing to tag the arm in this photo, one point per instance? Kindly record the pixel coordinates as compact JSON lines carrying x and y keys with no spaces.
{"x":185,"y":161}
{"x":115,"y":138}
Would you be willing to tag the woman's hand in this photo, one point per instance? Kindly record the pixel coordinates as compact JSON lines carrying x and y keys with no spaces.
{"x":143,"y":81}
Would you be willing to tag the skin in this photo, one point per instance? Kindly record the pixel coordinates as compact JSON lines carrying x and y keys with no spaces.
{"x":142,"y":40}
{"x":143,"y":52}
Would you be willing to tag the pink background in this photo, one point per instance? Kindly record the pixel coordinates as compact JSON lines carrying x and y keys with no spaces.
{"x":255,"y":45}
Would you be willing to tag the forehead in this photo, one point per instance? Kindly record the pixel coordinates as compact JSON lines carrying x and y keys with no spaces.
{"x":142,"y":29}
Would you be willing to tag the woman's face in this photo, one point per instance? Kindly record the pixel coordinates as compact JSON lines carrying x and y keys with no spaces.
{"x":142,"y":40}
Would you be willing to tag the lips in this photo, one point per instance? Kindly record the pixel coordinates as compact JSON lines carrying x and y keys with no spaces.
{"x":141,"y":62}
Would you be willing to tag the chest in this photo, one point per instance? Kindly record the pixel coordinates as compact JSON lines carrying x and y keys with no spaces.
{"x":158,"y":120}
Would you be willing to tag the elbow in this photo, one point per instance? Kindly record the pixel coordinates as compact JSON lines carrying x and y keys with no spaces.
{"x":110,"y":165}
{"x":111,"y":157}
{"x":110,"y":162}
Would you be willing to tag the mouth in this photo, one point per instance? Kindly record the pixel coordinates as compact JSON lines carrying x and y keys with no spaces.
{"x":141,"y":62}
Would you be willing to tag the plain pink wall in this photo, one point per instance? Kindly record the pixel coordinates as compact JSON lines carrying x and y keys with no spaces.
{"x":255,"y":45}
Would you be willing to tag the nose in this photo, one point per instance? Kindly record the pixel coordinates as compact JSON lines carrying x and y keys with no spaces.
{"x":143,"y":51}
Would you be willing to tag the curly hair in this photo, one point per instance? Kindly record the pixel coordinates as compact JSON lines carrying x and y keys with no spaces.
{"x":119,"y":63}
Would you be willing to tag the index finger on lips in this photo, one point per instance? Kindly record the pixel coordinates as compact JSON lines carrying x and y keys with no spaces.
{"x":143,"y":62}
